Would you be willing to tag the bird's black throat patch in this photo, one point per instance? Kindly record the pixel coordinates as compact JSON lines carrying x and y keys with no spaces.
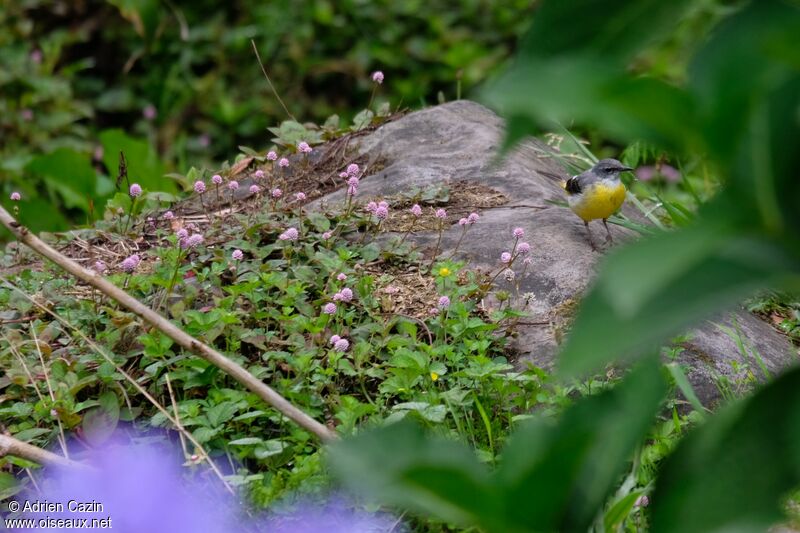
{"x":573,"y":185}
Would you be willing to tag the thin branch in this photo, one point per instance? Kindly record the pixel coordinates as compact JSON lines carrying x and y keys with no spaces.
{"x":17,"y":448}
{"x":182,"y":338}
{"x":255,"y":49}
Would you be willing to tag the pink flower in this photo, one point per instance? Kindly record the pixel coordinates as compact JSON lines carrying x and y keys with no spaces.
{"x":505,"y":257}
{"x":371,"y":207}
{"x":204,"y":140}
{"x":343,"y":174}
{"x":130,"y":263}
{"x":304,"y":148}
{"x":377,"y":77}
{"x":329,"y":308}
{"x":135,"y":190}
{"x":671,"y":174}
{"x":15,"y":196}
{"x":391,"y":289}
{"x":338,"y":297}
{"x":300,"y":196}
{"x":192,"y":241}
{"x":169,"y":215}
{"x":416,"y":210}
{"x":444,"y":302}
{"x":182,"y":234}
{"x":342,"y":276}
{"x":523,"y":248}
{"x":36,"y":56}
{"x":283,"y":163}
{"x":341,"y":345}
{"x":441,"y":213}
{"x":100,"y":267}
{"x":518,"y":233}
{"x":276,"y":193}
{"x":433,"y":311}
{"x":353,"y":181}
{"x":473,"y":218}
{"x":353,"y":170}
{"x":645,"y":173}
{"x":150,"y":112}
{"x":463,"y":222}
{"x":271,"y":155}
{"x":199,"y":187}
{"x":327,"y":235}
{"x":642,"y":501}
{"x":334,"y":339}
{"x":233,"y":185}
{"x":255,"y":189}
{"x":27,"y":115}
{"x":259,"y":174}
{"x":237,"y":255}
{"x":98,"y":153}
{"x":347,"y":294}
{"x":216,"y":179}
{"x":382,"y":212}
{"x":290,"y":234}
{"x":527,"y":261}
{"x":383,"y":203}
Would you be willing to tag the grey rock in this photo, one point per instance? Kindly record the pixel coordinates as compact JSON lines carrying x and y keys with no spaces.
{"x":458,"y":142}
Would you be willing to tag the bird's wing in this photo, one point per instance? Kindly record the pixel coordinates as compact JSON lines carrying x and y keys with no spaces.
{"x":576,"y":184}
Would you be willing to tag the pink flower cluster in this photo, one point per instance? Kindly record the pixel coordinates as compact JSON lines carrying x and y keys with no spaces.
{"x":290,"y":234}
{"x":15,"y":196}
{"x":344,"y":295}
{"x":237,"y":255}
{"x":135,"y":191}
{"x":469,"y":220}
{"x":380,"y":209}
{"x":304,"y":148}
{"x":129,"y":264}
{"x":339,"y":344}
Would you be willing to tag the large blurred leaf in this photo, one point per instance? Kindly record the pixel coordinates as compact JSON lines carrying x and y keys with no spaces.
{"x":144,"y":167}
{"x":655,"y":288}
{"x":731,"y":474}
{"x":553,"y":477}
{"x":69,"y":173}
{"x":610,"y":30}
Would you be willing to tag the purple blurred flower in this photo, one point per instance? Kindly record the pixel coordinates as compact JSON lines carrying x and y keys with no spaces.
{"x":300,"y":196}
{"x":416,"y":210}
{"x":377,"y":77}
{"x":329,"y":308}
{"x":642,"y":501}
{"x":255,"y":189}
{"x":304,"y":148}
{"x":473,"y":218}
{"x":199,"y":187}
{"x":505,"y":257}
{"x":168,"y":215}
{"x":518,"y":233}
{"x":130,"y":263}
{"x":36,"y":56}
{"x":192,"y":241}
{"x":371,"y":207}
{"x":290,"y":234}
{"x":523,"y":248}
{"x":347,"y":294}
{"x":527,"y":261}
{"x":98,"y":152}
{"x":441,"y":213}
{"x":259,"y":174}
{"x":645,"y":173}
{"x":15,"y":196}
{"x":382,"y":212}
{"x":100,"y":267}
{"x":150,"y":112}
{"x":216,"y":179}
{"x":671,"y":174}
{"x":283,"y":163}
{"x":135,"y":190}
{"x":182,"y":233}
{"x":26,"y":114}
{"x":341,"y":345}
{"x":444,"y":302}
{"x":204,"y":140}
{"x":276,"y":193}
{"x":463,"y":222}
{"x":233,"y":185}
{"x":353,"y":170}
{"x":237,"y":255}
{"x":334,"y":339}
{"x":272,"y":156}
{"x":327,"y":235}
{"x":342,"y":276}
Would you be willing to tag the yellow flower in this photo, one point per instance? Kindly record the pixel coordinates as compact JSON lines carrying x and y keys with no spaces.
{"x":444,"y":271}
{"x":434,"y":376}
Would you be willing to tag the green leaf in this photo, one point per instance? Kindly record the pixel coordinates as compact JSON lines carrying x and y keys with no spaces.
{"x":363,"y":119}
{"x":69,"y":173}
{"x":399,"y":464}
{"x":611,"y":30}
{"x":732,"y":473}
{"x":99,"y":423}
{"x":653,"y":289}
{"x":9,"y":486}
{"x":247,"y":441}
{"x":569,"y":469}
{"x":144,"y":167}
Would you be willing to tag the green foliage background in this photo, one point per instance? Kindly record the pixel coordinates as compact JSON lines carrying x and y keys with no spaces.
{"x":104,"y":62}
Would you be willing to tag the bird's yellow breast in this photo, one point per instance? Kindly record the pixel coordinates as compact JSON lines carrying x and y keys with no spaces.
{"x":598,"y":200}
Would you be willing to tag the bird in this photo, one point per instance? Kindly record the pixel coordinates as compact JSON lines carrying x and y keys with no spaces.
{"x":597,"y":194}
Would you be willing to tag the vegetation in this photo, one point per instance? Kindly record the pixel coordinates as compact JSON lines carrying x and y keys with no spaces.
{"x":351,"y":323}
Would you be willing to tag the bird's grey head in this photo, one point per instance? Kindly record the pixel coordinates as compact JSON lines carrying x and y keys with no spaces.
{"x":609,"y":168}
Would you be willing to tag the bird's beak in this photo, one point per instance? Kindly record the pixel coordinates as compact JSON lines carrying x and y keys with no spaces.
{"x":626,"y":169}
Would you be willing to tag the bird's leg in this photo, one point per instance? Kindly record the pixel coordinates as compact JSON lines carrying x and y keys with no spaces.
{"x":609,"y":238}
{"x":589,"y":234}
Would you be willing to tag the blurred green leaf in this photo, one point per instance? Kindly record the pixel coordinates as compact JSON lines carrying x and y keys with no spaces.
{"x":69,"y":173}
{"x":731,"y":474}
{"x":144,"y":167}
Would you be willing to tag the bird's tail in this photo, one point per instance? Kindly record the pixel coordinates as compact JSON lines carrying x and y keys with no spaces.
{"x":555,"y":177}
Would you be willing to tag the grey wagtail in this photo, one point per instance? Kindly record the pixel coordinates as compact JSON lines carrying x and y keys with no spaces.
{"x":597,"y":193}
